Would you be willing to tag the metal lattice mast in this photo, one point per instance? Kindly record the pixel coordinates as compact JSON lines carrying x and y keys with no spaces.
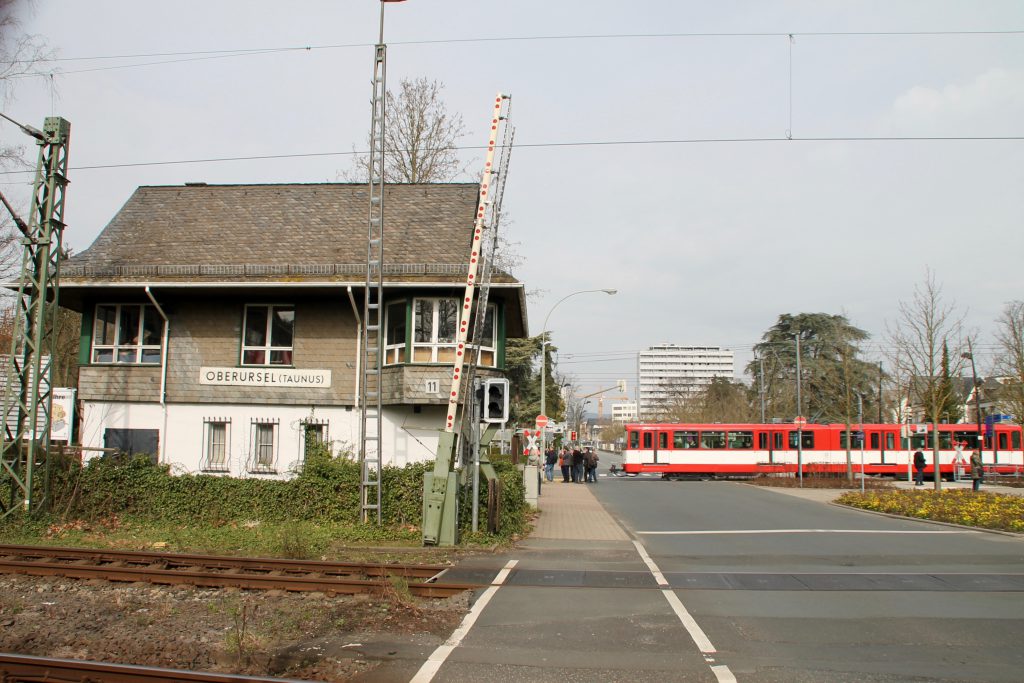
{"x":372,"y":361}
{"x":28,"y":398}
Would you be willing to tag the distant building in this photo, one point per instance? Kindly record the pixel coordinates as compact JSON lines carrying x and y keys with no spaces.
{"x":623,"y":412}
{"x":669,"y":373}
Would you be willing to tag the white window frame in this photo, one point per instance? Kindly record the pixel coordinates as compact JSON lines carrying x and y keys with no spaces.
{"x":394,"y":354}
{"x":263,"y":455}
{"x":116,"y":349}
{"x":210,"y":427}
{"x":434,"y":345}
{"x":268,"y":348}
{"x":322,"y":425}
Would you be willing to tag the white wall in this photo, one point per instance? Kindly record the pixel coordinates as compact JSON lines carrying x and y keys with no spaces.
{"x":408,"y":436}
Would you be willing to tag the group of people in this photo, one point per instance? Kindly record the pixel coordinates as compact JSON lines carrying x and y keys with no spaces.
{"x":578,"y":466}
{"x":977,"y":469}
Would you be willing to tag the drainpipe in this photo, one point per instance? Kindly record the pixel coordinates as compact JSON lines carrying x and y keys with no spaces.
{"x":359,"y":342}
{"x":163,"y":364}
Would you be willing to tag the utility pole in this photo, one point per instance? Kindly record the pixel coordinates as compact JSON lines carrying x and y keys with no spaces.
{"x":760,"y":362}
{"x":799,"y":412}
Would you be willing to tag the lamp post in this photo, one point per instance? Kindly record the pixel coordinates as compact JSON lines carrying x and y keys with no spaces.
{"x":977,"y":391}
{"x":544,"y":356}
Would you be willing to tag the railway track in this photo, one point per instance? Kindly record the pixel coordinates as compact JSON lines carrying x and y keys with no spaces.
{"x":217,"y":571}
{"x":28,"y":669}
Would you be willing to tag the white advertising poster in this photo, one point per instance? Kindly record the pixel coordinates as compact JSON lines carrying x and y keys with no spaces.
{"x":265,"y":377}
{"x":62,"y":418}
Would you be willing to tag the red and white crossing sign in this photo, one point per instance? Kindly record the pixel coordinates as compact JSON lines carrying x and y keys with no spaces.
{"x":799,"y":420}
{"x":542,"y":421}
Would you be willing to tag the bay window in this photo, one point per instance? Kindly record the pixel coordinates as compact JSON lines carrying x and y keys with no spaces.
{"x":126,"y":333}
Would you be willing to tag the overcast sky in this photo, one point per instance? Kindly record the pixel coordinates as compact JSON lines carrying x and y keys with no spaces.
{"x":708,"y":239}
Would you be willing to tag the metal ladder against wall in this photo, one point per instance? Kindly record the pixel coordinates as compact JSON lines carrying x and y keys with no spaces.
{"x":28,"y":397}
{"x":372,"y":361}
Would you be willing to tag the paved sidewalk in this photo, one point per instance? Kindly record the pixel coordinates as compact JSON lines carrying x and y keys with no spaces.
{"x":572,"y":512}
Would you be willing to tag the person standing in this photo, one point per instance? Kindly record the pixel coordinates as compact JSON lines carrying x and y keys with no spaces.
{"x":919,"y":464}
{"x":592,"y":461}
{"x":565,"y":461}
{"x":977,"y":469}
{"x":577,"y":465}
{"x":550,"y":458}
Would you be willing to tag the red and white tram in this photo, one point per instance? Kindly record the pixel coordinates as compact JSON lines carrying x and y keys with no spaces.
{"x":702,"y":450}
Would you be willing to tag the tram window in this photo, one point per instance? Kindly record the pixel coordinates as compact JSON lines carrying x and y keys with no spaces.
{"x":1015,"y":440}
{"x":647,"y":440}
{"x":874,"y":441}
{"x":777,"y":440}
{"x":945,"y":440}
{"x":741,"y":440}
{"x":634,"y":439}
{"x":1002,"y":441}
{"x":808,"y":439}
{"x":890,"y":441}
{"x":712,"y":439}
{"x":969,"y":439}
{"x":684,"y":440}
{"x":762,"y":440}
{"x":920,"y":441}
{"x":856,"y":438}
{"x":662,"y":440}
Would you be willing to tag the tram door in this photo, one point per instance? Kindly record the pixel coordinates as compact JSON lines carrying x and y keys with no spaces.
{"x":648,"y":449}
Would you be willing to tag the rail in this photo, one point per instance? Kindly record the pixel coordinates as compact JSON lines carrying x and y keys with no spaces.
{"x":16,"y":668}
{"x":217,"y":571}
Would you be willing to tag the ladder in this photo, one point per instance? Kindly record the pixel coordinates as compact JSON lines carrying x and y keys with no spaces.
{"x":28,"y":396}
{"x":372,"y":356}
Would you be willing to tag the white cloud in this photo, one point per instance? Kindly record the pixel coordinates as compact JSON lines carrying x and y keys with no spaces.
{"x":992,"y":103}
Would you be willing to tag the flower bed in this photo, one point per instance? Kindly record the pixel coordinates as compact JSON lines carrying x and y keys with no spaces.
{"x":985,"y":510}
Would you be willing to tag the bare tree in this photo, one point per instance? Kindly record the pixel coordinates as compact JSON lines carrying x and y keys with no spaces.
{"x":20,"y":55}
{"x":1010,"y":361}
{"x":927,"y":324}
{"x":420,"y":137}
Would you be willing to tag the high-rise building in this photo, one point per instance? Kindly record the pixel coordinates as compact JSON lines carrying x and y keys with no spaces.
{"x":669,"y":374}
{"x":624,"y":412}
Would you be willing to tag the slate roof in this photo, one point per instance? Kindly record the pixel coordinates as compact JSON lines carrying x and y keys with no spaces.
{"x":283,"y":232}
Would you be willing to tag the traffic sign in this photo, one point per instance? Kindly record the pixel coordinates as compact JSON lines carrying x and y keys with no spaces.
{"x":799,"y":421}
{"x":542,"y":421}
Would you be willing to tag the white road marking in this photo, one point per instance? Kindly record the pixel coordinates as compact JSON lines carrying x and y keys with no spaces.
{"x":438,"y":656}
{"x":711,"y":532}
{"x":722,"y":672}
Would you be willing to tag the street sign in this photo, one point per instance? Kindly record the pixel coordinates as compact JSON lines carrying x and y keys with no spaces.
{"x":542,"y":421}
{"x":799,"y":421}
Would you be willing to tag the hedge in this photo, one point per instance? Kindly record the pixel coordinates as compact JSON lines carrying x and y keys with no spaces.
{"x":326,"y":490}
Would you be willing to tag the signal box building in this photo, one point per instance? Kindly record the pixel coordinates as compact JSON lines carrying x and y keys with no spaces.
{"x":221,"y":324}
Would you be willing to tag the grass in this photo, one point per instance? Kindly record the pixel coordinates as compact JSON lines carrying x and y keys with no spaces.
{"x":984,"y":510}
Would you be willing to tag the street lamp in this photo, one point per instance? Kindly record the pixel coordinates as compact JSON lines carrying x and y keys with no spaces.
{"x":544,"y":356}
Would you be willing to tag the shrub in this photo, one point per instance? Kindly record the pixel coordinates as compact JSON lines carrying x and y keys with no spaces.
{"x":981,"y":509}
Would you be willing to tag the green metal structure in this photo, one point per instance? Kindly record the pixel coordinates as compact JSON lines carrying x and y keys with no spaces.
{"x":28,"y":398}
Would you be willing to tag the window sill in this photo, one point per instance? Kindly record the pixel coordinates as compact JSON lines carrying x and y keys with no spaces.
{"x":219,"y":470}
{"x":263,"y":471}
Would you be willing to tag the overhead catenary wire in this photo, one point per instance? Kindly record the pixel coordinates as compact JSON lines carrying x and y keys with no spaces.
{"x":576,"y":143}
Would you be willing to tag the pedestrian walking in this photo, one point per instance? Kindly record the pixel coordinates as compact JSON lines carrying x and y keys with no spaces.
{"x":550,"y":458}
{"x":919,"y":464}
{"x":565,"y":462}
{"x":977,"y":469}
